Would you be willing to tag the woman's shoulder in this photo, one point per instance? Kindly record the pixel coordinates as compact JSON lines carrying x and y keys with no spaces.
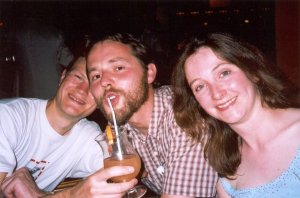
{"x":290,"y":128}
{"x":293,"y":119}
{"x":287,"y":119}
{"x":295,"y":112}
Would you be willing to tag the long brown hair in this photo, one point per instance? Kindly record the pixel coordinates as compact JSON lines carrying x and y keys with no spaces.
{"x":222,"y":146}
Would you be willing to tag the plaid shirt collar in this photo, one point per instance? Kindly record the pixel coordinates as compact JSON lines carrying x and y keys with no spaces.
{"x":157,"y":114}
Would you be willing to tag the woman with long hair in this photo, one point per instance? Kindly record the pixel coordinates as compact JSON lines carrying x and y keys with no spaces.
{"x":228,"y":96}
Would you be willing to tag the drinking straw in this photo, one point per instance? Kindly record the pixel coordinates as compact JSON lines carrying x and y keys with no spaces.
{"x":116,"y":129}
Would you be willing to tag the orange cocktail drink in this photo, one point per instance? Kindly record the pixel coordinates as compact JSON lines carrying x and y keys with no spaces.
{"x":128,"y":160}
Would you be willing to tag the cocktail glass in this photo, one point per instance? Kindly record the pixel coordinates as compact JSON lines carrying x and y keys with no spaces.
{"x":119,"y":152}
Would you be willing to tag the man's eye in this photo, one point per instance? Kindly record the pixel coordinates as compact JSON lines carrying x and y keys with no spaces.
{"x":119,"y":68}
{"x":225,"y":73}
{"x":95,"y":77}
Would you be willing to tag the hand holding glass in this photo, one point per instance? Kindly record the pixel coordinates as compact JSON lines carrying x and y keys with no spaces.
{"x":119,"y":152}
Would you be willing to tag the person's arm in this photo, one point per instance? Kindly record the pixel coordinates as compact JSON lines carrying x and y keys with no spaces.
{"x":221,"y":192}
{"x":2,"y":176}
{"x":21,"y":185}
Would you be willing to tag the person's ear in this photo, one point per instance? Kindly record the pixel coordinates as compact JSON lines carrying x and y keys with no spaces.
{"x":62,"y":77}
{"x":151,"y":72}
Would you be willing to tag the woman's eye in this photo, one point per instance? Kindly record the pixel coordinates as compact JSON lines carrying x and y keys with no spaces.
{"x":199,"y":87}
{"x":225,"y":73}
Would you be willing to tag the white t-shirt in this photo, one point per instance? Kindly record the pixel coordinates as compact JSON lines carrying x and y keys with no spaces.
{"x":28,"y":140}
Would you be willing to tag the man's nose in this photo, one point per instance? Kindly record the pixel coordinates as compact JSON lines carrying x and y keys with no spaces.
{"x":106,"y":80}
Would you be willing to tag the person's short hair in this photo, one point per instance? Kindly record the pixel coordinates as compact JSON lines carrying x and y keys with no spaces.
{"x":138,"y":48}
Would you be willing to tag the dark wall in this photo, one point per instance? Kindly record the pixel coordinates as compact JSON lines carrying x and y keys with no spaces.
{"x":288,"y":38}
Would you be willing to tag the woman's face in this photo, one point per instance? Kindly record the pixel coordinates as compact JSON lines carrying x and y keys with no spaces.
{"x":222,"y":89}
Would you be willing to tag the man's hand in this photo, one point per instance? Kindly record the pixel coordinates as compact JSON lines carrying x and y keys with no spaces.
{"x":20,"y":184}
{"x":96,"y":185}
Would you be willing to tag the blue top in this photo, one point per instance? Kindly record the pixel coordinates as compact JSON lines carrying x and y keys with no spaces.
{"x":286,"y":185}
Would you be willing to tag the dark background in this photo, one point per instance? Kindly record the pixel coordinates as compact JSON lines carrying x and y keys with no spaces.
{"x":170,"y":21}
{"x":77,"y":18}
{"x":273,"y":26}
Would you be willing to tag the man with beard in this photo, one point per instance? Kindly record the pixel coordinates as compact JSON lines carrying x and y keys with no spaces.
{"x":45,"y":141}
{"x":121,"y":69}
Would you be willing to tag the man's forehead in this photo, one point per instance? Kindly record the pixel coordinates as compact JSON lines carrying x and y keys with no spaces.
{"x":109,"y":46}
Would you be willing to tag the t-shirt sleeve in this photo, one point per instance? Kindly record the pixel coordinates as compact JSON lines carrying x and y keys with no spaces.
{"x":9,"y":123}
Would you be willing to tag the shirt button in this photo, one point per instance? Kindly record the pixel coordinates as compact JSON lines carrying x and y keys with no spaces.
{"x":160,"y":170}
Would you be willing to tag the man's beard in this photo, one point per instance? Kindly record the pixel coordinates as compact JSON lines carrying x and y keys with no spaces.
{"x":134,"y":99}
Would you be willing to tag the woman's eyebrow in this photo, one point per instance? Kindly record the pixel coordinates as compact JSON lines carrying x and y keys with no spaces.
{"x":219,"y":65}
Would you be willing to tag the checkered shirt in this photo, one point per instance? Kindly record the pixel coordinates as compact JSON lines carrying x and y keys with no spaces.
{"x":175,"y":164}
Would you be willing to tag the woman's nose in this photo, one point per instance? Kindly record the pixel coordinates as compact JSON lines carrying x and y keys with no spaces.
{"x":217,"y":92}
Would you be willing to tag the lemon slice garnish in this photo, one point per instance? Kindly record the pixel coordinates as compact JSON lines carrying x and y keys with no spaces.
{"x":109,"y":135}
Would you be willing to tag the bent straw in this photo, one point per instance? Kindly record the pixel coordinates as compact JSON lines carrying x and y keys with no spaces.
{"x":116,"y":130}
